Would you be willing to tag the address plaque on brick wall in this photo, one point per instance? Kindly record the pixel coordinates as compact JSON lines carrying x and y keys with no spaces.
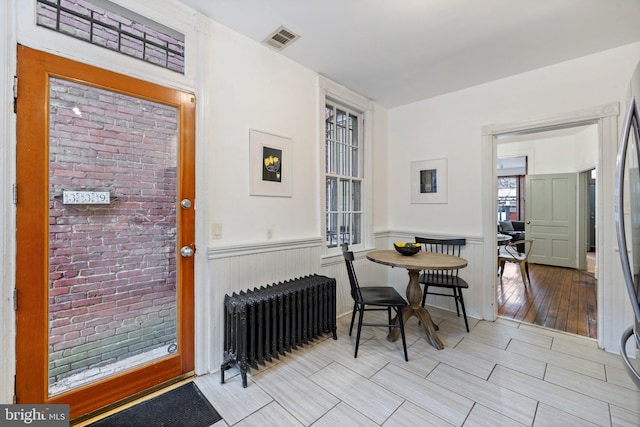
{"x":86,"y":197}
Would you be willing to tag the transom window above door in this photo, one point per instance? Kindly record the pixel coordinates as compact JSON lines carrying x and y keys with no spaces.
{"x":106,"y":24}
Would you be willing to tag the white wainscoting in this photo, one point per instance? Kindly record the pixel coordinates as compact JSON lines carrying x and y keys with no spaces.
{"x":240,"y":267}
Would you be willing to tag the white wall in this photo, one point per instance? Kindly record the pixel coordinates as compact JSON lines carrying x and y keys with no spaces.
{"x":555,"y":153}
{"x":250,"y":86}
{"x":451,"y":126}
{"x":253,"y":87}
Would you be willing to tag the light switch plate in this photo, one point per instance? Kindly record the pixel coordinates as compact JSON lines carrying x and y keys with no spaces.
{"x":216,"y":231}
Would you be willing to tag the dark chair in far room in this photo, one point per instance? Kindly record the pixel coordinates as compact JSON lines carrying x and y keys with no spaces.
{"x":515,"y":229}
{"x":448,"y":279}
{"x":373,"y":298}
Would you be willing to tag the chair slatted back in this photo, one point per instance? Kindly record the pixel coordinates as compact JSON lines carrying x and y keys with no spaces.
{"x":353,"y":279}
{"x":443,"y":246}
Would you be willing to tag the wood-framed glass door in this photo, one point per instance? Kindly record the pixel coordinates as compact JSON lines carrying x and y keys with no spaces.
{"x":105,"y":234}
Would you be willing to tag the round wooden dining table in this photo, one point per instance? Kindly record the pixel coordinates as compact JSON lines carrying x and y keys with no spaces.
{"x":415,"y":264}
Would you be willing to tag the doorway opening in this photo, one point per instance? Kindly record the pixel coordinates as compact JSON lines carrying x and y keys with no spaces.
{"x":561,"y":290}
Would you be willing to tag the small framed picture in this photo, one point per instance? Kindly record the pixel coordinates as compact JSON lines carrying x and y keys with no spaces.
{"x":429,"y":181}
{"x":270,"y":165}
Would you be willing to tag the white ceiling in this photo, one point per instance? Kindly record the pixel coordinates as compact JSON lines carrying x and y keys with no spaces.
{"x":400,"y":51}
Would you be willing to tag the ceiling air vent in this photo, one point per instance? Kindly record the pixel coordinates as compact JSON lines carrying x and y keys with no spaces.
{"x":281,"y":38}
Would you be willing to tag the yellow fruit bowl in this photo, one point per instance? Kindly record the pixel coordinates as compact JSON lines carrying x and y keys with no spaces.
{"x":407,"y":249}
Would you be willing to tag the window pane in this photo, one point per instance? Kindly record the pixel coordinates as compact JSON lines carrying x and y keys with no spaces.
{"x":332,"y":194}
{"x":353,"y":130}
{"x":348,"y":160}
{"x":332,"y":227}
{"x":355,"y":160}
{"x":328,"y":112}
{"x":341,"y":133}
{"x":356,"y":230}
{"x":341,"y":126}
{"x":345,"y":229}
{"x":330,"y":146}
{"x":112,"y":267}
{"x":353,"y":145}
{"x":345,"y":195}
{"x":331,"y":156}
{"x":356,"y":196}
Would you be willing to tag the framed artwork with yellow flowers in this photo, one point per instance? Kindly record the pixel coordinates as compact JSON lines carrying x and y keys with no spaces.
{"x":270,"y":165}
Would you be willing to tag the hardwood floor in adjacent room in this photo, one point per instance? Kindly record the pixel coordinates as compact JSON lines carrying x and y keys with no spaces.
{"x":564,"y":299}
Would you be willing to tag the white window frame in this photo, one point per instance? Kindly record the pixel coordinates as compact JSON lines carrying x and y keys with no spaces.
{"x":332,"y":93}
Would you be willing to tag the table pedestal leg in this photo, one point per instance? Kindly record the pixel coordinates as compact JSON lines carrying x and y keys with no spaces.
{"x":414,"y":297}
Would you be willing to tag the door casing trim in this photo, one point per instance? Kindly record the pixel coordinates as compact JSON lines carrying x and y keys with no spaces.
{"x":605,"y":116}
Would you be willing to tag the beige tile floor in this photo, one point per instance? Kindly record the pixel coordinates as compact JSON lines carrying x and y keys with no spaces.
{"x":500,"y":374}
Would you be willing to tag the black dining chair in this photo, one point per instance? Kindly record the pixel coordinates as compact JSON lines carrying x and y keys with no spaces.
{"x":373,"y":298}
{"x":447,"y":279}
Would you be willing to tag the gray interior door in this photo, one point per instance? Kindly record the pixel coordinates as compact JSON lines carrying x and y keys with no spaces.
{"x":551,"y":218}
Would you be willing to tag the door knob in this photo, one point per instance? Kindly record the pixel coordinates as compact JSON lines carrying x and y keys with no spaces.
{"x":186,"y":251}
{"x":185,"y":203}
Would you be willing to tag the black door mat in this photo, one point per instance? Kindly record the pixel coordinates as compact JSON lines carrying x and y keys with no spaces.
{"x":184,"y":406}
